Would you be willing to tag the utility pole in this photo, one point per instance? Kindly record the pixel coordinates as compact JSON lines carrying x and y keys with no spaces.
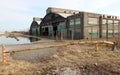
{"x":107,"y":30}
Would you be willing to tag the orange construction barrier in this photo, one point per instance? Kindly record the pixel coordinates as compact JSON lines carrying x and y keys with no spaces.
{"x":3,"y":54}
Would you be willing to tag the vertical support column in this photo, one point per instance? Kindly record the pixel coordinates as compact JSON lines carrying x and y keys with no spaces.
{"x":100,"y":27}
{"x":56,"y":35}
{"x":91,"y":32}
{"x":107,"y":30}
{"x":61,"y":35}
{"x":52,"y":34}
{"x":113,"y":29}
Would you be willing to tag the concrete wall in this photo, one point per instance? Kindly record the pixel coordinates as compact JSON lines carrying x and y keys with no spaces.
{"x":90,"y":27}
{"x":112,"y":27}
{"x":86,"y":28}
{"x":60,"y":10}
{"x":37,"y":19}
{"x":76,"y":30}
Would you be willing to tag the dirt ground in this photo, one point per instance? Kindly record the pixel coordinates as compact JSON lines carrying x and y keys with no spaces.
{"x":69,"y":60}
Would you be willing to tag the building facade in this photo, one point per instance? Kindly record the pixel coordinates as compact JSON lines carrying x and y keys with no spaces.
{"x":77,"y":24}
{"x":35,"y":26}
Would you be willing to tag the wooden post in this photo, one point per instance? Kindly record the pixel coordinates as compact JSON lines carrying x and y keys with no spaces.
{"x":3,"y":54}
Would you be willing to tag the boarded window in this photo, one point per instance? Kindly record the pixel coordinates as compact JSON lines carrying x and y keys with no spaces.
{"x":92,"y":21}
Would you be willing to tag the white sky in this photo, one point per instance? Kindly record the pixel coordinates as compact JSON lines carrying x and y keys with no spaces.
{"x":18,"y":14}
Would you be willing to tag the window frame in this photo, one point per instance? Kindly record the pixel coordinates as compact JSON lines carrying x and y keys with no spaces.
{"x":77,"y":21}
{"x":91,"y":21}
{"x":71,"y":22}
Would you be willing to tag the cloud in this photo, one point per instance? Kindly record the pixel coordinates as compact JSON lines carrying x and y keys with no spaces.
{"x":83,"y":4}
{"x":101,"y":4}
{"x":15,"y":15}
{"x":12,"y":5}
{"x":18,"y":14}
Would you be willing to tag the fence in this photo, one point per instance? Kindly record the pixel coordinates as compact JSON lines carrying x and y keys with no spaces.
{"x":95,"y":43}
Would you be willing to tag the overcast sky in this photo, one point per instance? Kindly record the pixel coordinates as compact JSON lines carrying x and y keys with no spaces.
{"x":18,"y":14}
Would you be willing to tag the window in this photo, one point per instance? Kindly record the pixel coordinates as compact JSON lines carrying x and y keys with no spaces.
{"x":43,"y":29}
{"x":116,"y":22}
{"x":103,"y":32}
{"x":110,"y":32}
{"x":62,"y":23}
{"x":116,"y":32}
{"x":50,"y":28}
{"x":92,"y":21}
{"x":71,"y":22}
{"x":110,"y":22}
{"x":93,"y":32}
{"x":104,"y":22}
{"x":77,"y":21}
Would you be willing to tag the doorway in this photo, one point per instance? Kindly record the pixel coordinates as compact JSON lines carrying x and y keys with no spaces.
{"x":46,"y":31}
{"x":54,"y":30}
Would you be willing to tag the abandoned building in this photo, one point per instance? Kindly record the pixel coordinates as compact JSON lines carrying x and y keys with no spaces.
{"x":76,"y":24}
{"x":35,"y":26}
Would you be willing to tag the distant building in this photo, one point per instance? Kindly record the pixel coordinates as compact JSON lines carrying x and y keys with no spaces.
{"x":77,"y":24}
{"x":35,"y":26}
{"x":2,"y":33}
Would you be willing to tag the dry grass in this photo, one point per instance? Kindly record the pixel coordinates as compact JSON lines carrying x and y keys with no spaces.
{"x":14,"y":67}
{"x":72,"y":60}
{"x":75,"y":56}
